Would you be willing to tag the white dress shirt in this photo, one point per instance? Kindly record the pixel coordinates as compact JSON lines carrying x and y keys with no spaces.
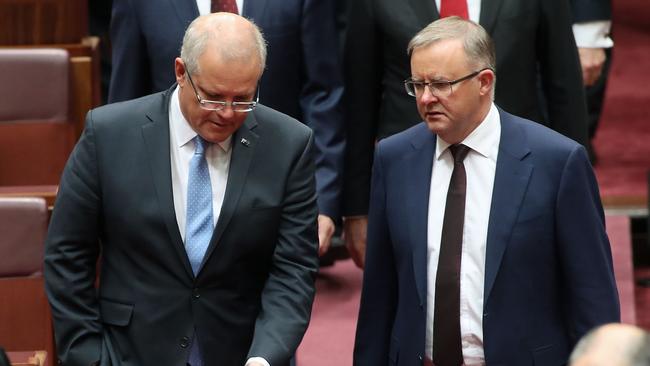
{"x":593,"y":34}
{"x":480,"y":166}
{"x":204,"y":6}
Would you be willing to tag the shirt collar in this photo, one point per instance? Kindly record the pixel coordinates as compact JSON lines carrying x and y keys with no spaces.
{"x":483,"y":140}
{"x":182,"y":129}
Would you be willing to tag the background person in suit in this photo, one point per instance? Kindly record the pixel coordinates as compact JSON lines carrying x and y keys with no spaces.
{"x":532,"y":37}
{"x":523,"y":269}
{"x":613,"y":345}
{"x":592,"y":21}
{"x":302,"y":79}
{"x":203,"y":207}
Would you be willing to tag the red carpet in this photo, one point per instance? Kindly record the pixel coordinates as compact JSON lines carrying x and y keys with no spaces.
{"x":618,"y":230}
{"x":330,"y":338}
{"x":622,"y":142}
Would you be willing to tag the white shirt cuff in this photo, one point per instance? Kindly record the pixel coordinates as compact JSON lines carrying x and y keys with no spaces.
{"x":594,"y":34}
{"x":257,"y":359}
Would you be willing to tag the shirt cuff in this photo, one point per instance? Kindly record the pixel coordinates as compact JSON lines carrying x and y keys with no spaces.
{"x":594,"y":34}
{"x":257,"y":359}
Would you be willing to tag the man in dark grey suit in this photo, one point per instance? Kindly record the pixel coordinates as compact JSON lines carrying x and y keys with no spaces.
{"x":128,"y":192}
{"x":532,"y":37}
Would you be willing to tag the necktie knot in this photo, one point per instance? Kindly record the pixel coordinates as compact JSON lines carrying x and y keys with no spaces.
{"x":200,"y":145}
{"x":459,"y":152}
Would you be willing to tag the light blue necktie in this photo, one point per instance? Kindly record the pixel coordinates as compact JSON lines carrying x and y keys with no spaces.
{"x":199,"y":225}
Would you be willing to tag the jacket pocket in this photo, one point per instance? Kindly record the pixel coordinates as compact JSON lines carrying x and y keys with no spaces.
{"x":548,"y":356}
{"x":115,"y":313}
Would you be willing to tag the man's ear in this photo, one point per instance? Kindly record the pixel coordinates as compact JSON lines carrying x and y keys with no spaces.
{"x":179,"y":70}
{"x":487,"y":79}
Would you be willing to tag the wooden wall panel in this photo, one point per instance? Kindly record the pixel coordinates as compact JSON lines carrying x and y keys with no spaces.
{"x":42,"y":21}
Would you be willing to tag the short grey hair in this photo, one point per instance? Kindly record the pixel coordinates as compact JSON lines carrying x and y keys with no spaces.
{"x":477,"y":44}
{"x":209,"y":27}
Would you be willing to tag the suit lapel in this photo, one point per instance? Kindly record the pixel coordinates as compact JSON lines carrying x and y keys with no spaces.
{"x":489,"y":13}
{"x":419,"y":163}
{"x":244,"y":142}
{"x":186,"y":10}
{"x":510,"y":184}
{"x":425,"y":11}
{"x":156,"y":138}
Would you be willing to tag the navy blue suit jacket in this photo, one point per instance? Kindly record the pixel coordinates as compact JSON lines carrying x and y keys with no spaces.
{"x":302,"y":77}
{"x":548,"y":271}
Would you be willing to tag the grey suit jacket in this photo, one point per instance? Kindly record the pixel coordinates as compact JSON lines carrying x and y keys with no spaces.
{"x":254,"y":292}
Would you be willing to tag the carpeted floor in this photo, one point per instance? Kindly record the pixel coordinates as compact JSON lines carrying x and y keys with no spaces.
{"x":622,"y":142}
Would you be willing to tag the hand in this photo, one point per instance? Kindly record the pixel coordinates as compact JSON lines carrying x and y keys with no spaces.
{"x":325,"y":231}
{"x":354,"y":233}
{"x":591,"y":61}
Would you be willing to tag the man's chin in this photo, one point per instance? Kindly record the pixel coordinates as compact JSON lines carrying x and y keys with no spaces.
{"x":436,"y":125}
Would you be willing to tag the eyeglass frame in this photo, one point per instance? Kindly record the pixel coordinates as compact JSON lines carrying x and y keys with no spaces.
{"x":449,"y":83}
{"x":202,"y":102}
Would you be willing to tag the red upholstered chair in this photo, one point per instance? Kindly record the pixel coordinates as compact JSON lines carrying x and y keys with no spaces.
{"x":37,"y":130}
{"x":25,"y":321}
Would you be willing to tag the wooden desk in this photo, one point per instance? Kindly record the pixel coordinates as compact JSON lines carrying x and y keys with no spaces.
{"x":27,"y":358}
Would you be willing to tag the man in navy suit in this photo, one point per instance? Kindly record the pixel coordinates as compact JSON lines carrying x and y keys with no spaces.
{"x":533,"y":269}
{"x":302,"y":77}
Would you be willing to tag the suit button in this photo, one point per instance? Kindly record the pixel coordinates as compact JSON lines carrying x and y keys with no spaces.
{"x":195,"y":293}
{"x":185,"y":341}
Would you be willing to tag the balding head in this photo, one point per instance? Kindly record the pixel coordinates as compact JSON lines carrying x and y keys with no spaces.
{"x":235,"y":38}
{"x":613,"y":345}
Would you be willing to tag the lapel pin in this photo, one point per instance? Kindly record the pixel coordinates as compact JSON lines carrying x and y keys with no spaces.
{"x":245,"y":142}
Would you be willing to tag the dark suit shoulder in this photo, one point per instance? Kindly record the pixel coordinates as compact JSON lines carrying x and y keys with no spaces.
{"x":133,"y":113}
{"x":413,"y":136}
{"x":537,"y":136}
{"x":539,"y":145}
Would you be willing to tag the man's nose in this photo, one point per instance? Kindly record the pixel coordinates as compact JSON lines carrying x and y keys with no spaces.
{"x":226,"y":112}
{"x":428,"y":97}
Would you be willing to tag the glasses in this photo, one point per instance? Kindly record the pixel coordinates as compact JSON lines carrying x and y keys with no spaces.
{"x":437,"y":88}
{"x":218,"y":105}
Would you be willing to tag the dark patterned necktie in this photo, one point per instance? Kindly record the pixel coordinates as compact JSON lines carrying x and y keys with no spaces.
{"x":229,"y":6}
{"x":447,"y":348}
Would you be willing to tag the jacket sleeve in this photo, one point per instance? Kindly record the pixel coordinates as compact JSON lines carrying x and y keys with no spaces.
{"x":379,"y":293}
{"x":130,"y":64}
{"x":289,"y":290}
{"x":71,"y":252}
{"x":560,"y":72}
{"x":362,"y":70}
{"x":321,"y":99}
{"x":585,"y":254}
